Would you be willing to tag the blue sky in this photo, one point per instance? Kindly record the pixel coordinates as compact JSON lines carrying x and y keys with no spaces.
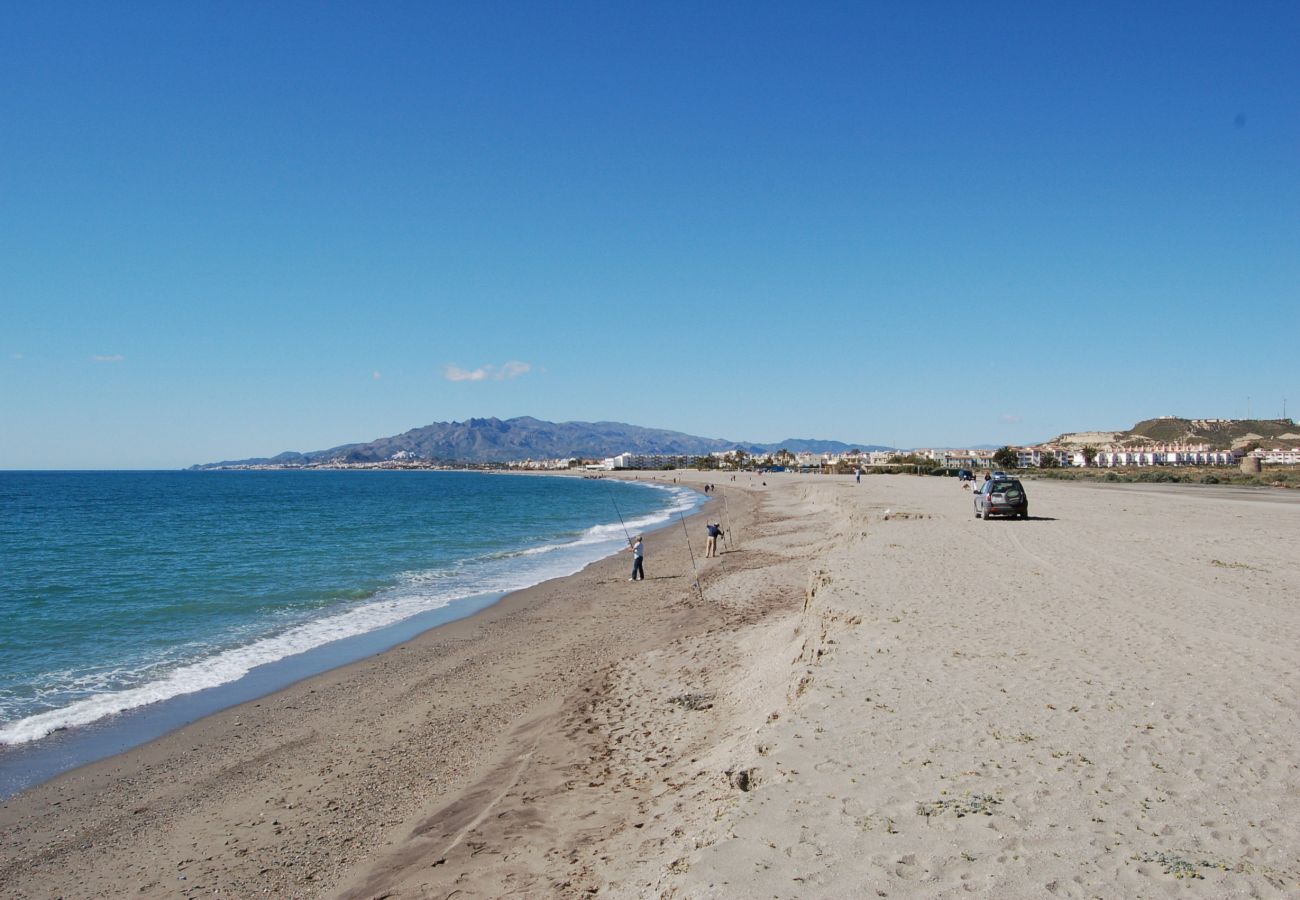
{"x":228,"y":230}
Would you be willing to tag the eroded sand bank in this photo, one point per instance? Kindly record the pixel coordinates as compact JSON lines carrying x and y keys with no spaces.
{"x":1090,"y":703}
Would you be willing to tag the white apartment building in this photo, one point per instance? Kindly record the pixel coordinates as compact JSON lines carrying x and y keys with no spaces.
{"x":965,"y":459}
{"x":646,"y":461}
{"x":806,"y":460}
{"x":1164,"y":455}
{"x":1032,"y":457}
{"x":1282,"y":456}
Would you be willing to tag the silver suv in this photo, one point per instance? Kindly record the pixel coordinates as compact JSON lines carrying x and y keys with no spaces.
{"x":1001,"y":497}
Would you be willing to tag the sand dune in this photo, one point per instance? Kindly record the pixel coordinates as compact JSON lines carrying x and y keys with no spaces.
{"x":1097,"y":702}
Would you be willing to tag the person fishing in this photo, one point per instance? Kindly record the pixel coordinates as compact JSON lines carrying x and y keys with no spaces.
{"x":711,"y":545}
{"x":638,"y":560}
{"x":638,"y":552}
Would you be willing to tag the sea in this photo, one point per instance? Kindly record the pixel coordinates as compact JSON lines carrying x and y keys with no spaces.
{"x":134,"y":602}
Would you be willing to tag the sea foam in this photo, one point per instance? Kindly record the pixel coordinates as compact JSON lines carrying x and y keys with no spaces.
{"x":415,"y":593}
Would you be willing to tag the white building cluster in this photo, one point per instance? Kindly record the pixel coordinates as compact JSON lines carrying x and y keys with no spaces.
{"x":1166,"y":455}
{"x":1105,"y":456}
{"x":1112,"y":455}
{"x":547,"y":465}
{"x":1281,"y":456}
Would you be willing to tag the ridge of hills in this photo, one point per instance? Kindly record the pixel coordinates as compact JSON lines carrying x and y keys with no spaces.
{"x":1220,"y":434}
{"x":494,"y":440}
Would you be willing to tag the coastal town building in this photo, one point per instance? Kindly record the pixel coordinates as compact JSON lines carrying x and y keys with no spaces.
{"x":647,"y":461}
{"x":1165,"y":455}
{"x":1279,"y":456}
{"x":963,"y":459}
{"x":1034,"y":457}
{"x":1069,"y":455}
{"x":547,"y":465}
{"x":1105,"y":456}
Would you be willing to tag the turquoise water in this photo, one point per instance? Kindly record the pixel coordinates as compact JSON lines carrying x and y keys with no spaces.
{"x":123,"y":589}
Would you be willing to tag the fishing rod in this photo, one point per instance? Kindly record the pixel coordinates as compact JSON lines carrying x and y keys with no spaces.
{"x":698,"y":586}
{"x":619,"y":513}
{"x":726,"y":509}
{"x":722,"y":532}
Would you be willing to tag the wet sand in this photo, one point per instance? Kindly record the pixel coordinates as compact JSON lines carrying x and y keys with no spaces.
{"x":1094,"y":702}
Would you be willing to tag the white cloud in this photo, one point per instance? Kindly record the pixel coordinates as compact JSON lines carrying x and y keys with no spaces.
{"x":512,"y":369}
{"x":376,"y":375}
{"x":1010,"y":419}
{"x":111,"y":358}
{"x":456,"y":373}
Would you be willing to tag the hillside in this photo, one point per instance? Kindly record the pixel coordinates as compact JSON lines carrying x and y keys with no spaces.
{"x":495,"y":440}
{"x":1221,"y":434}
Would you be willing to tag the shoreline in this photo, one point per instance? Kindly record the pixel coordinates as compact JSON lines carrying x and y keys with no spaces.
{"x":33,"y":763}
{"x":29,"y":764}
{"x":880,"y":693}
{"x":207,"y":751}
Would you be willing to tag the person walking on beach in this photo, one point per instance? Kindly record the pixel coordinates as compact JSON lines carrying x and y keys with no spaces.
{"x":638,"y":557}
{"x":711,"y":545}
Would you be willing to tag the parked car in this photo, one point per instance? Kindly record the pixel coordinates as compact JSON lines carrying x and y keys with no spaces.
{"x":1001,"y":497}
{"x":999,"y":476}
{"x":965,"y":475}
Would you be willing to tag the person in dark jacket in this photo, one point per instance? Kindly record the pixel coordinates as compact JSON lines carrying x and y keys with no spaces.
{"x":711,"y":545}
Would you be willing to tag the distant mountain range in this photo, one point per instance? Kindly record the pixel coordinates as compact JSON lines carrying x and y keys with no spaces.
{"x":495,"y":441}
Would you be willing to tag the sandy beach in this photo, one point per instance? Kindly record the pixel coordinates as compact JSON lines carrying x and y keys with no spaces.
{"x":870,"y":694}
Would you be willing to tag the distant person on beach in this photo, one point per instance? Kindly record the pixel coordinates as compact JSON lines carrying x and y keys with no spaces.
{"x":638,"y":558}
{"x":858,"y":477}
{"x":711,"y":545}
